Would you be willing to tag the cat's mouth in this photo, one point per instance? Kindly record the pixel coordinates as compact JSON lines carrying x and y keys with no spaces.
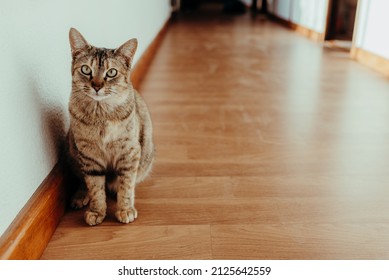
{"x":98,"y":96}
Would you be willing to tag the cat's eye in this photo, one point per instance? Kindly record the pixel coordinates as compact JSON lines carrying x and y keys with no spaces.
{"x":111,"y":73}
{"x":85,"y":69}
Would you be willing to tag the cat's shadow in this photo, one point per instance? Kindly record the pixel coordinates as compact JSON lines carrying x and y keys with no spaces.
{"x":52,"y":119}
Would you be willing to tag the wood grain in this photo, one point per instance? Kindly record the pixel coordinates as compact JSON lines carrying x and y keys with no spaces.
{"x":152,"y":242}
{"x":300,"y":241}
{"x":269,"y":146}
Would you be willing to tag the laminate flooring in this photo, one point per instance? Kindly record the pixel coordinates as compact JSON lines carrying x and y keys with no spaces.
{"x":269,"y":146}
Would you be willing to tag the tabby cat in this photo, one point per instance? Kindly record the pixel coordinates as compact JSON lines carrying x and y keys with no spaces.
{"x":110,"y":135}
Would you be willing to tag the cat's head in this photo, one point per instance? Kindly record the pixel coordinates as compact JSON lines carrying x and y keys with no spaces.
{"x":100,"y":73}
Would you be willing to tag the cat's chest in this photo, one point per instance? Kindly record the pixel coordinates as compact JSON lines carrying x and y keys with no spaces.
{"x":109,"y":138}
{"x":112,"y":132}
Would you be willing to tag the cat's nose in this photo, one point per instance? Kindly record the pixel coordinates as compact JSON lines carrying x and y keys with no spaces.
{"x":97,"y":85}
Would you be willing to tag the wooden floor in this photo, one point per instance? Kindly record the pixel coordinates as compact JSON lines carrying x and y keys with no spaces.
{"x":269,"y":146}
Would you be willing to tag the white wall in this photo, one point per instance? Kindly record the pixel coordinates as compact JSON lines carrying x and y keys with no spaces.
{"x":283,"y":9}
{"x":371,"y":32}
{"x":311,"y":14}
{"x":308,"y":13}
{"x":35,"y":79}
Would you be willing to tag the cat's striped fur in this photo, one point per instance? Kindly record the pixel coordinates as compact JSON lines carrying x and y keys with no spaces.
{"x":110,"y":135}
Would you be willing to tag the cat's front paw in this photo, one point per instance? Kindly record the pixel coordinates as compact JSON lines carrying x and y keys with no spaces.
{"x":79,"y":202}
{"x":93,"y":218}
{"x":79,"y":199}
{"x":127,"y":215}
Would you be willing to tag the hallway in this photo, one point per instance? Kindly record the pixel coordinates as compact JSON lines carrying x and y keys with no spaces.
{"x":269,"y":146}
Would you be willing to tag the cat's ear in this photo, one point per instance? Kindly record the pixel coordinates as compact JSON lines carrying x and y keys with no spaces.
{"x":127,"y":50}
{"x":77,"y":41}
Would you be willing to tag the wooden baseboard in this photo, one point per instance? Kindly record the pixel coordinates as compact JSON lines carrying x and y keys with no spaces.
{"x":305,"y":31}
{"x":140,"y":68}
{"x":311,"y":34}
{"x":30,"y":232}
{"x":371,"y":60}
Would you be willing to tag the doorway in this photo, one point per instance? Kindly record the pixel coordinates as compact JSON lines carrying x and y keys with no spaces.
{"x":340,"y":22}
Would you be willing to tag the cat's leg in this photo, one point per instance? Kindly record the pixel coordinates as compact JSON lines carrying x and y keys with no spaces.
{"x":127,"y":171}
{"x":126,"y":211}
{"x":97,"y":205}
{"x":80,"y":198}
